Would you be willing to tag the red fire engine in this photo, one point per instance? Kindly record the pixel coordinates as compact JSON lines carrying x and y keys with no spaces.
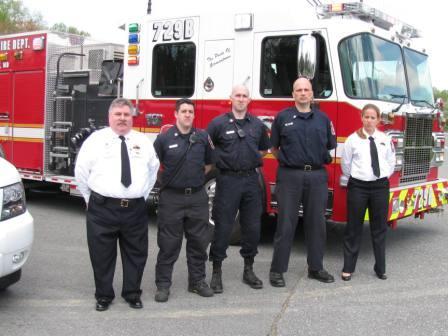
{"x":354,"y":54}
{"x":54,"y":91}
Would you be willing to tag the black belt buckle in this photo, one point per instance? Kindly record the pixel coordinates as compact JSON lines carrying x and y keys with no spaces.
{"x":188,"y":191}
{"x":307,"y":168}
{"x":124,"y":203}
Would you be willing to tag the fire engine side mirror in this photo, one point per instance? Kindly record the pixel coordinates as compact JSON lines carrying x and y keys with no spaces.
{"x":306,"y":56}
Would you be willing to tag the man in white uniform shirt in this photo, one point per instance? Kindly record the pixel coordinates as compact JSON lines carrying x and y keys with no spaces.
{"x":115,"y":171}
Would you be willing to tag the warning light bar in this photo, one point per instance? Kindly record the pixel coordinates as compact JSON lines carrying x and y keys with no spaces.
{"x":367,"y":13}
{"x":134,"y":41}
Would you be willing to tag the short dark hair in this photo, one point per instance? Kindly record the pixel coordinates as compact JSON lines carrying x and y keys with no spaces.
{"x":183,"y":101}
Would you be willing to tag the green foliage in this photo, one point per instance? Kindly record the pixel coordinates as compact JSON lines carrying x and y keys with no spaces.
{"x":442,"y":94}
{"x":15,"y":18}
{"x":62,"y":27}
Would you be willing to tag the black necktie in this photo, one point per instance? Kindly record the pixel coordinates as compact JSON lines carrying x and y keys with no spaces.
{"x":374,"y":157}
{"x":125,"y":164}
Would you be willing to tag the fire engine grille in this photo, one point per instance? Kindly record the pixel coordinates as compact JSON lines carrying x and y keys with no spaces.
{"x":418,"y":148}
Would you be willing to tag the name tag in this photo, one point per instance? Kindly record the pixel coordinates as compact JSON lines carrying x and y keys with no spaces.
{"x":230,"y":132}
{"x":289,"y":124}
{"x":173,"y":146}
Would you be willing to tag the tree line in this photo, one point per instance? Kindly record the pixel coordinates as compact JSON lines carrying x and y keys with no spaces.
{"x":16,"y":18}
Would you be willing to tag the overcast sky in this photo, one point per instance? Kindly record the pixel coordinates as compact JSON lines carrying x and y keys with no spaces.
{"x":102,"y":17}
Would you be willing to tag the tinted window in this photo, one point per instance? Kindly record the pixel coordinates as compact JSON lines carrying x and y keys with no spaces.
{"x":279,"y":67}
{"x":173,"y":70}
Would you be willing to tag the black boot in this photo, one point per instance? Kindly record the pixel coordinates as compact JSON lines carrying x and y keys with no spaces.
{"x":216,"y":282}
{"x":249,"y":276}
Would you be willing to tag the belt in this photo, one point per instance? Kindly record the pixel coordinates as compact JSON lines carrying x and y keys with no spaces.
{"x":380,"y":180}
{"x":185,"y":191}
{"x":305,"y":167}
{"x":121,"y":202}
{"x":247,"y":172}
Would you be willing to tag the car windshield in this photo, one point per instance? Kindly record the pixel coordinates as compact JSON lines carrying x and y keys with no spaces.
{"x":417,"y":69}
{"x":372,"y":68}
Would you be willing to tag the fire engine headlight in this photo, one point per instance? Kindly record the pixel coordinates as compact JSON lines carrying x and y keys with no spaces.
{"x":13,"y":203}
{"x":438,"y":140}
{"x":439,"y":157}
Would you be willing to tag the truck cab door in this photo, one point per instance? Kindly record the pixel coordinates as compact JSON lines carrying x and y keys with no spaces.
{"x":28,"y":119}
{"x":163,"y":71}
{"x":6,"y":115}
{"x":217,"y":78}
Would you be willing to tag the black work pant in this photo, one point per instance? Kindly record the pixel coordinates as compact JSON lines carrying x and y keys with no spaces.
{"x":362,"y":195}
{"x":309,"y":188}
{"x":233,"y":194}
{"x":179,"y":213}
{"x":108,"y":223}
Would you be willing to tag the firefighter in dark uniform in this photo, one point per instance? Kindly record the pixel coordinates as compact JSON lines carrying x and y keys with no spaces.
{"x":186,"y":156}
{"x":241,"y":141}
{"x":301,"y":137}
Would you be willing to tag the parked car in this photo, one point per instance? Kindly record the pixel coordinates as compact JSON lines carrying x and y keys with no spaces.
{"x":16,"y":225}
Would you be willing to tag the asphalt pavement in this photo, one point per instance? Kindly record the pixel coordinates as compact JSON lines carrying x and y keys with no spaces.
{"x":55,"y":294}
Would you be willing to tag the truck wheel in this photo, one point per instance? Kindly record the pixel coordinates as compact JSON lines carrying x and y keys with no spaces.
{"x":210,"y":187}
{"x":2,"y":152}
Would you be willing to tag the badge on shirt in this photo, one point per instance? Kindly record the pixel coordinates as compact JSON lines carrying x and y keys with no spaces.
{"x":289,"y":124}
{"x":136,"y":149}
{"x":173,"y":146}
{"x":230,"y":132}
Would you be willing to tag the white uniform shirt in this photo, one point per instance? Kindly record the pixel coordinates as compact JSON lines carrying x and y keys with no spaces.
{"x":356,"y":160}
{"x":98,"y":165}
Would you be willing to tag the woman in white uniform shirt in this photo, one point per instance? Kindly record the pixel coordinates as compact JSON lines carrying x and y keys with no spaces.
{"x":368,"y":160}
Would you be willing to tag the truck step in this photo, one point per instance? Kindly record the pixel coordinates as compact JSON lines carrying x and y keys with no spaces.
{"x":61,"y":130}
{"x":60,"y":149}
{"x":63,"y":123}
{"x":59,"y":155}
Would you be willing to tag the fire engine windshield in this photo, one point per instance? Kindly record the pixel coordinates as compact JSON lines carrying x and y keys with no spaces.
{"x":372,"y":68}
{"x":419,"y":79}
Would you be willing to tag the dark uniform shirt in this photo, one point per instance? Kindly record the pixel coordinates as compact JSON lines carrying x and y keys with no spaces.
{"x":303,"y":138}
{"x":171,"y":147}
{"x":238,"y":142}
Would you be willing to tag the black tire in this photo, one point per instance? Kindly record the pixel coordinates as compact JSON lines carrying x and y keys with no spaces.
{"x":2,"y":152}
